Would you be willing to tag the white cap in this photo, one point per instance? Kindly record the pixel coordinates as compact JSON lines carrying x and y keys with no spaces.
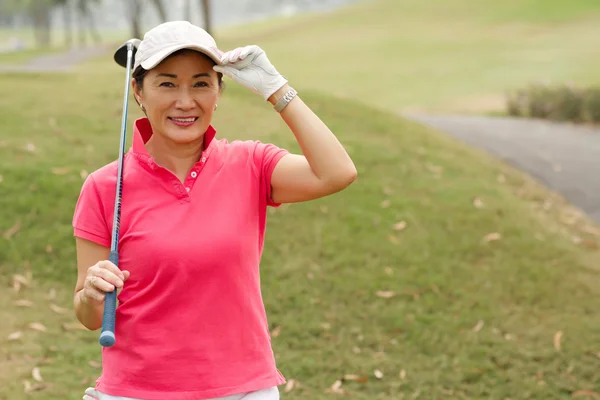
{"x":166,"y":38}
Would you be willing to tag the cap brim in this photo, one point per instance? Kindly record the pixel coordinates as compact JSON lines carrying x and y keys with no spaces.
{"x":153,"y":61}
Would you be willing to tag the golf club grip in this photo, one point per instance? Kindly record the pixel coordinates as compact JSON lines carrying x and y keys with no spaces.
{"x":107,"y":337}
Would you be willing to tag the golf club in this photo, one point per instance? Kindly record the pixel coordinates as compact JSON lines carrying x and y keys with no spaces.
{"x":124,"y":57}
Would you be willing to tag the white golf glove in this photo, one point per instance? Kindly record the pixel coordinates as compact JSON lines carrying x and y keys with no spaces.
{"x":250,"y":67}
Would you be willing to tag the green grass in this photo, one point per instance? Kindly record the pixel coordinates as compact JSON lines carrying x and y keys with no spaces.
{"x":463,"y":55}
{"x":325,"y":261}
{"x":327,"y":269}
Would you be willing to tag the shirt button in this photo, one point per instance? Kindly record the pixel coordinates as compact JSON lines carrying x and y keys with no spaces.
{"x":203,"y":159}
{"x":194,"y":174}
{"x":187,"y":189}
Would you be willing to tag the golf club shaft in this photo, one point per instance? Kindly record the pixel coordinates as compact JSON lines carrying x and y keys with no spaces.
{"x":107,"y":336}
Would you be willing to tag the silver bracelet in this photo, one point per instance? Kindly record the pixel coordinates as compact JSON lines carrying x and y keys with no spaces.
{"x":285,"y":100}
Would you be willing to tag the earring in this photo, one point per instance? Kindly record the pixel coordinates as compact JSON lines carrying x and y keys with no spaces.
{"x":142,"y":107}
{"x":216,"y":105}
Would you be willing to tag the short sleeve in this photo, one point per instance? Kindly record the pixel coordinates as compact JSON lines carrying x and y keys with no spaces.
{"x":89,"y":219}
{"x":265,"y":158}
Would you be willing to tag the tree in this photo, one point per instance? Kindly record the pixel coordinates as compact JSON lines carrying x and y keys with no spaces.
{"x":160,"y":9}
{"x":134,"y":8}
{"x":67,"y":20}
{"x":86,"y":20}
{"x":187,"y":10}
{"x":207,"y":17}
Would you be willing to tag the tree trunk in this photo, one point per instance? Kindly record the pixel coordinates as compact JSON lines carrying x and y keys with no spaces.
{"x":160,"y":9}
{"x":41,"y":20}
{"x":134,"y":18}
{"x":68,"y":21}
{"x":92,"y":27}
{"x":187,"y":10}
{"x":207,"y":18}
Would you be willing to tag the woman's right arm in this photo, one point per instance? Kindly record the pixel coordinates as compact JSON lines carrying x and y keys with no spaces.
{"x":95,"y":277}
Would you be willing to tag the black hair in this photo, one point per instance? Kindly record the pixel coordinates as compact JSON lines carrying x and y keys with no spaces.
{"x":140,"y":73}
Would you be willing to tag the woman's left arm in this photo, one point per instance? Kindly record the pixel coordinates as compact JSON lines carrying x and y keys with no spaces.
{"x":324,"y":168}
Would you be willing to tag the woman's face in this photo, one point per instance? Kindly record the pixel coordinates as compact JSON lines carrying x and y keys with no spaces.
{"x":180,"y":96}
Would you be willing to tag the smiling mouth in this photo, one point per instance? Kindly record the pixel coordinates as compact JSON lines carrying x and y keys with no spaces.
{"x":187,"y":120}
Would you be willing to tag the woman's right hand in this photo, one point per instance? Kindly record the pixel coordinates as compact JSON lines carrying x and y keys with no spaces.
{"x":102,"y":278}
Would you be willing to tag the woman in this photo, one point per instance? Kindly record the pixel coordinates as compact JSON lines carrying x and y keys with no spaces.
{"x":191,"y":322}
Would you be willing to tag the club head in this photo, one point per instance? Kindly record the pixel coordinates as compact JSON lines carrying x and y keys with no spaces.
{"x":121,"y":53}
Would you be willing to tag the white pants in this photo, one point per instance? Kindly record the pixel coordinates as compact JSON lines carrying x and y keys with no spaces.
{"x":265,"y":394}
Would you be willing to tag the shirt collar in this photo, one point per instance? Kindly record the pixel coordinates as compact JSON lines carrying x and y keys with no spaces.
{"x":142,"y":131}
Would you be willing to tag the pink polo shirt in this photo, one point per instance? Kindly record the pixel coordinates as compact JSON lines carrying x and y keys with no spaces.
{"x":190,"y":323}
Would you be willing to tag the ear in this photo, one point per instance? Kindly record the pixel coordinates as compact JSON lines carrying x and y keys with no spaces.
{"x":137,"y":92}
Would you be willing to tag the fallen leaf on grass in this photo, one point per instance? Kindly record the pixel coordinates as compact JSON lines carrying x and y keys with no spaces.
{"x":400,"y":226}
{"x":57,"y":309}
{"x":30,"y":147}
{"x":23,"y":303}
{"x":491,"y":237}
{"x":378,"y":374}
{"x":393,"y":239}
{"x":356,"y":378}
{"x":478,"y":203}
{"x":49,"y":249}
{"x":37,"y":374}
{"x":336,"y":388}
{"x":586,"y":393}
{"x":276,"y":331}
{"x":28,"y":387}
{"x":38,"y":327}
{"x":389,"y":271}
{"x":435,"y":169}
{"x":586,"y":229}
{"x":478,"y":327}
{"x":590,"y":244}
{"x":61,"y":170}
{"x":15,"y":335}
{"x":18,"y":281}
{"x":557,"y":338}
{"x":12,"y":230}
{"x":83,"y":174}
{"x":385,"y":204}
{"x":403,"y":374}
{"x":387,"y":191}
{"x":74,"y":326}
{"x":385,"y":294}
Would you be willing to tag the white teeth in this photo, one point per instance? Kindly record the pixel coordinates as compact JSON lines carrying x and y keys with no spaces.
{"x":184,"y":119}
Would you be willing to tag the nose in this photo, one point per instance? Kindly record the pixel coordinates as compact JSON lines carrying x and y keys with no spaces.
{"x":185,"y":101}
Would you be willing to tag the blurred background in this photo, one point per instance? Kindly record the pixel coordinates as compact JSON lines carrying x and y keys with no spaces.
{"x":462,"y":263}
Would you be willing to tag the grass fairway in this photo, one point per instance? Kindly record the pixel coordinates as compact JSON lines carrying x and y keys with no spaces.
{"x":451,"y":275}
{"x":435,"y":55}
{"x":437,"y":311}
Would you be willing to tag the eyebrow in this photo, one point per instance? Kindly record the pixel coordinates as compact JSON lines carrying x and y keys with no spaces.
{"x":203,"y":74}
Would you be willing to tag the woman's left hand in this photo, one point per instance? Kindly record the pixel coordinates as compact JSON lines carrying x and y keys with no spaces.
{"x":250,"y":67}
